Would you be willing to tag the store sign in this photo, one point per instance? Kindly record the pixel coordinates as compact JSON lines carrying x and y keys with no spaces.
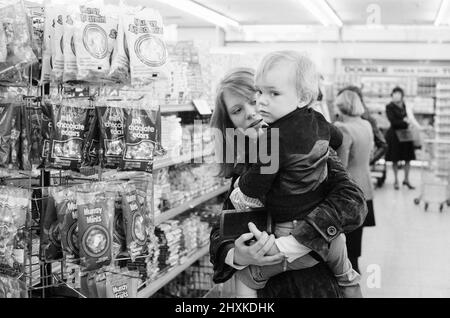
{"x":424,"y":71}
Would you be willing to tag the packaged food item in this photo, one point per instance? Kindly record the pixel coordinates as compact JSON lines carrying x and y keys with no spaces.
{"x":3,"y":52}
{"x":95,"y":34}
{"x":112,"y":124}
{"x":91,"y":138}
{"x":134,"y":222}
{"x":33,"y":118}
{"x":12,"y":287}
{"x":120,"y":63}
{"x":50,"y":248}
{"x":147,"y":50}
{"x":10,"y":135}
{"x":100,"y":283}
{"x":25,"y":139}
{"x":69,"y":121}
{"x":95,"y":224}
{"x":46,"y":132}
{"x":122,"y":285}
{"x":119,"y":240}
{"x":66,"y":208}
{"x":14,"y":206}
{"x":70,"y":59}
{"x":142,"y":131}
{"x":58,"y":44}
{"x":47,"y":49}
{"x":16,"y":31}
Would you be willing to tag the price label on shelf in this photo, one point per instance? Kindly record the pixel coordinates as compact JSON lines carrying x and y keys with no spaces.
{"x":202,"y":106}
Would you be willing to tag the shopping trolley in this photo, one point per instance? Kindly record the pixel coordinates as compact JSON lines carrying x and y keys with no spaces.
{"x":435,"y":176}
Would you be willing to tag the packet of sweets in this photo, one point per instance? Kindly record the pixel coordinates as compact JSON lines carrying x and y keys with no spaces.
{"x":70,"y":59}
{"x":58,"y":44}
{"x":120,"y":63}
{"x":112,"y":124}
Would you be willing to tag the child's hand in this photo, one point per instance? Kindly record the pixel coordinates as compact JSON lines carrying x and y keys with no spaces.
{"x":257,"y":233}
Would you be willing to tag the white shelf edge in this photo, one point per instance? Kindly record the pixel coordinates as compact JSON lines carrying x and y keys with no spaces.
{"x":157,"y":284}
{"x":173,"y":108}
{"x":167,"y":162}
{"x":164,"y":216}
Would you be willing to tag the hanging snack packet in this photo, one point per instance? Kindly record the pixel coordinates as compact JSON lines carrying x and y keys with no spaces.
{"x":141,"y":132}
{"x":25,"y":139}
{"x":49,"y":31}
{"x":70,"y":59}
{"x":9,"y":135}
{"x":58,"y":44}
{"x":119,"y":239}
{"x":111,"y":122}
{"x":3,"y":52}
{"x":122,"y":285}
{"x":11,"y":287}
{"x":69,"y":122}
{"x":34,"y":116}
{"x":146,"y":47}
{"x":46,"y":132}
{"x":95,"y":218}
{"x":91,"y":138}
{"x":66,"y":207}
{"x":120,"y":63}
{"x":14,"y":206}
{"x":95,"y":34}
{"x":133,"y":220}
{"x":50,"y":248}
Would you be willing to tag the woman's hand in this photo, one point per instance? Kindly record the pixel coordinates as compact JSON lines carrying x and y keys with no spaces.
{"x":257,"y":233}
{"x":256,"y":253}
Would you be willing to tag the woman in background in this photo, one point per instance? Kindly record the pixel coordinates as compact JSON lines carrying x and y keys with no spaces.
{"x":398,"y":150}
{"x":355,"y":153}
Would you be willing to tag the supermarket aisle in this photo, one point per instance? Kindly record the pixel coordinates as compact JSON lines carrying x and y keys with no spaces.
{"x":410,"y":246}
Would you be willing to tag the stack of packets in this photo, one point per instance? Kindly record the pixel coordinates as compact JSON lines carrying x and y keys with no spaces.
{"x":169,"y":240}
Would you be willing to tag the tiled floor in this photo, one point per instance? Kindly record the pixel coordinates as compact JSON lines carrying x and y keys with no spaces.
{"x":407,"y":253}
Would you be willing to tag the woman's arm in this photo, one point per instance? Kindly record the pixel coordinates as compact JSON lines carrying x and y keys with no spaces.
{"x":343,"y":210}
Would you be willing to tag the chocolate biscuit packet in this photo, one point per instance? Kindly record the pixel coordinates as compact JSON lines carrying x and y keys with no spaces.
{"x":112,"y":123}
{"x":95,"y":223}
{"x":142,"y":134}
{"x":134,"y":222}
{"x":69,"y":122}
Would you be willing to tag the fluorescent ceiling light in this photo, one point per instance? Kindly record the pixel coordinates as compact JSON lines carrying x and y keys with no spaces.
{"x":202,"y":12}
{"x":322,"y":11}
{"x":441,"y":13}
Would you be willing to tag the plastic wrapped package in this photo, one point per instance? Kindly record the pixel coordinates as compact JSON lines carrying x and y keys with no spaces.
{"x":122,"y":285}
{"x":47,"y":50}
{"x":58,"y":44}
{"x":3,"y":52}
{"x":70,"y":59}
{"x":14,"y":206}
{"x":12,"y":288}
{"x":91,"y":145}
{"x":95,"y":226}
{"x":70,"y":122}
{"x":16,"y":32}
{"x":146,"y":47}
{"x":95,"y":33}
{"x":120,"y":63}
{"x":10,"y":129}
{"x":142,"y":135}
{"x":46,"y":131}
{"x":50,"y":247}
{"x":112,"y":124}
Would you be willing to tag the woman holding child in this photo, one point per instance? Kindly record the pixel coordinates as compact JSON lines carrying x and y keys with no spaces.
{"x":331,"y":204}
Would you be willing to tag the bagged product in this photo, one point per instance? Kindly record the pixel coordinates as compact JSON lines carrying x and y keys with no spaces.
{"x":120,"y":63}
{"x":14,"y":206}
{"x":12,"y":288}
{"x":50,"y":248}
{"x":95,"y":34}
{"x":142,"y":133}
{"x":133,"y":220}
{"x":34,"y":117}
{"x":122,"y":285}
{"x":3,"y":52}
{"x":58,"y":44}
{"x":91,"y":138}
{"x":66,"y":207}
{"x":146,"y":47}
{"x":70,"y":59}
{"x":16,"y":31}
{"x":47,"y":50}
{"x":119,"y":240}
{"x":9,"y":135}
{"x":112,"y":124}
{"x":95,"y":223}
{"x":25,"y":139}
{"x":69,"y":121}
{"x":46,"y":132}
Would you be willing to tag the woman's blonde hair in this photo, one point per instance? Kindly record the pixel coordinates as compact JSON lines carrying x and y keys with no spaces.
{"x":349,"y":103}
{"x":238,"y":81}
{"x":306,"y":74}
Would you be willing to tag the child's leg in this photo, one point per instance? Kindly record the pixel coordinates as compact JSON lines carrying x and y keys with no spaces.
{"x":242,"y":281}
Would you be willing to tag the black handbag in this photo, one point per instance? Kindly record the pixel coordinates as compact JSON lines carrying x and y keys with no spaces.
{"x":404,"y":135}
